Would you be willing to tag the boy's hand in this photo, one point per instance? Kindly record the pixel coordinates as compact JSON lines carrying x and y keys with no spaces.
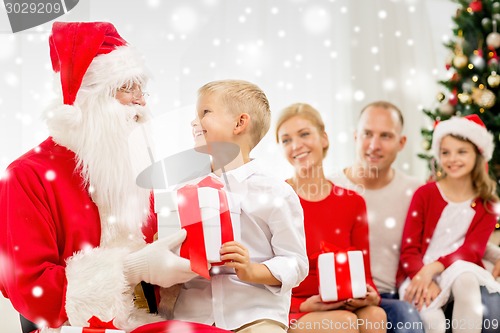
{"x":236,"y":255}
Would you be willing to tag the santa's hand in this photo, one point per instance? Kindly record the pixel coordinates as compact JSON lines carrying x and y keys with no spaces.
{"x":157,"y":264}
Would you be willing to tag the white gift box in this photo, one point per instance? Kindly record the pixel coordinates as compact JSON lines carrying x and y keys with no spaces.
{"x":166,"y":206}
{"x":332,"y":267}
{"x":76,"y":329}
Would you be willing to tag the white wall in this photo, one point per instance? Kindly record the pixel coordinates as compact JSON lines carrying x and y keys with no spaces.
{"x":336,"y":55}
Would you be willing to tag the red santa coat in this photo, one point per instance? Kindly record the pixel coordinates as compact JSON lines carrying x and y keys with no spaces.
{"x":425,"y":210}
{"x":46,"y":218}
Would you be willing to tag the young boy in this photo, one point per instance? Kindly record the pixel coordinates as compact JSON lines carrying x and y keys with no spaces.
{"x":271,"y":258}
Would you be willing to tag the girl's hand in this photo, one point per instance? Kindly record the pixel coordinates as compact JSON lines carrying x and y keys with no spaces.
{"x":314,"y":303}
{"x":427,"y":298}
{"x":372,"y":298}
{"x":496,"y":269}
{"x":419,"y":285}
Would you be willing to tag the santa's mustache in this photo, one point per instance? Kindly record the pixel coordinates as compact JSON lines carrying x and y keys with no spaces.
{"x":136,"y":113}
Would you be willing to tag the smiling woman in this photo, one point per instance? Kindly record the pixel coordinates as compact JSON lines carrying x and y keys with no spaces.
{"x":301,"y":133}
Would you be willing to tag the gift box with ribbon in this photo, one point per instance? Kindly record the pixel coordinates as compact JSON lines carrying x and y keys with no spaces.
{"x":210,"y":215}
{"x":341,"y":276}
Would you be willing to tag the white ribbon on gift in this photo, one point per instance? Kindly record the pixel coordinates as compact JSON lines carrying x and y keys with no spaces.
{"x":327,"y":277}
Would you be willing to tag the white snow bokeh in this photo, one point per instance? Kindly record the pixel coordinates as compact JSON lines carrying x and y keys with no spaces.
{"x":316,"y":20}
{"x":359,"y":95}
{"x":37,"y":291}
{"x":154,"y":3}
{"x":11,"y":79}
{"x":8,"y":49}
{"x":210,"y":2}
{"x":390,"y":223}
{"x":342,"y":137}
{"x":341,"y":258}
{"x":184,"y":19}
{"x":389,"y":84}
{"x":50,"y":175}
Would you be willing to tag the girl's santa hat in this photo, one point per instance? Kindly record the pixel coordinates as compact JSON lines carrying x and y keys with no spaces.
{"x":92,"y":56}
{"x":470,"y":127}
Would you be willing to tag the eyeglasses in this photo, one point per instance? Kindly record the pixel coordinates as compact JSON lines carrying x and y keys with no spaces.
{"x":136,"y":93}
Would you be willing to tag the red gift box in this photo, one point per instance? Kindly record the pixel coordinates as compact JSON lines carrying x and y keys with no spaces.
{"x":341,"y":276}
{"x":210,"y":215}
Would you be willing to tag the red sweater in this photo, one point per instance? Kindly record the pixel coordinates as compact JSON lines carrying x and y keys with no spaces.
{"x":425,"y":210}
{"x":44,"y":221}
{"x":339,"y":219}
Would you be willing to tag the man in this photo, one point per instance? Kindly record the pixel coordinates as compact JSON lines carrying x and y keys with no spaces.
{"x":388,"y":193}
{"x":73,"y":222}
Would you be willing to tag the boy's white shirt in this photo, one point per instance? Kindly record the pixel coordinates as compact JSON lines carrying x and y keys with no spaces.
{"x":272,"y":230}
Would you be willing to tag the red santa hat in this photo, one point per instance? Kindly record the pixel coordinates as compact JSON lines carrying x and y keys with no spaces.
{"x":91,"y":54}
{"x":470,"y":127}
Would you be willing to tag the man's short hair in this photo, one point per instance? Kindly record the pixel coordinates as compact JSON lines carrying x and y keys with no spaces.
{"x":386,"y":105}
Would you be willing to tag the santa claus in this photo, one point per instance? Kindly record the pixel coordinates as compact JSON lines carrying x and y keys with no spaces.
{"x":74,"y":226}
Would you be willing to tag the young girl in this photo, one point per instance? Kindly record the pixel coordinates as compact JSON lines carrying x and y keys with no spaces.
{"x":447,"y":228}
{"x":331,"y":214}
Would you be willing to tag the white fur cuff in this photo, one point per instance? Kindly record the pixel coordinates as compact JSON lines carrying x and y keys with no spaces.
{"x":97,"y":287}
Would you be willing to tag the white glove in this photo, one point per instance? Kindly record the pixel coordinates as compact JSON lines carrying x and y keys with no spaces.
{"x":157,"y":264}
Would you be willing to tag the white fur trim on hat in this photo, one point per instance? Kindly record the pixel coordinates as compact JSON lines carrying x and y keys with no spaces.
{"x":105,"y":74}
{"x":465,"y":128}
{"x":109,"y":71}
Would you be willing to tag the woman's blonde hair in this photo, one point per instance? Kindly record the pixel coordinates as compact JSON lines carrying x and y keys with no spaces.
{"x":305,"y":111}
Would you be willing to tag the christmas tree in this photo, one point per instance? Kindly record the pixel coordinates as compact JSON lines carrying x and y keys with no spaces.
{"x":473,"y":81}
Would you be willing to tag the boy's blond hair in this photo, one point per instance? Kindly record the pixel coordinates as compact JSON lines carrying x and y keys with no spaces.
{"x":243,"y":97}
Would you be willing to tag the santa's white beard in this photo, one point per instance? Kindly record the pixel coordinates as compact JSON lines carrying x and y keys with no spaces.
{"x":100,"y":139}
